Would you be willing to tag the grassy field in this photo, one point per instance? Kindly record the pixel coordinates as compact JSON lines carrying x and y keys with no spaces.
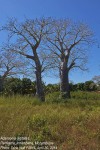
{"x":72,"y":125}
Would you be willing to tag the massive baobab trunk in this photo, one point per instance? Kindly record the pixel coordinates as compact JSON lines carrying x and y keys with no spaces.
{"x":39,"y":85}
{"x":1,"y":84}
{"x":64,"y":81}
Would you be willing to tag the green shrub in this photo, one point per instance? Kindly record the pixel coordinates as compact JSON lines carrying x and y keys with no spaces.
{"x":55,"y":97}
{"x":85,"y":95}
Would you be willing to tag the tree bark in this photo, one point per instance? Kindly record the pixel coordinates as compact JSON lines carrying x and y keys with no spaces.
{"x":1,"y":84}
{"x":39,"y":85}
{"x":64,"y":81}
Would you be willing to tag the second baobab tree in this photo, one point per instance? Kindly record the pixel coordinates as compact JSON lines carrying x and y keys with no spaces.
{"x":69,"y":43}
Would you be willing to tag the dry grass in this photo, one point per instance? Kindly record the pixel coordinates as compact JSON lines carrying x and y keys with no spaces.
{"x":74,"y":125}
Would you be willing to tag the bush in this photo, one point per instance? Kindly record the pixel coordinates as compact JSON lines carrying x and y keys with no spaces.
{"x":85,"y":95}
{"x":55,"y":97}
{"x":13,"y":86}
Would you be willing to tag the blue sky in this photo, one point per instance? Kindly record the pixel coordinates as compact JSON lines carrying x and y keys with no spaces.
{"x":87,"y":11}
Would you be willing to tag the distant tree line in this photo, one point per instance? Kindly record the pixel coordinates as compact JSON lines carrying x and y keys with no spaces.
{"x":25,"y":86}
{"x":13,"y":86}
{"x":87,"y":86}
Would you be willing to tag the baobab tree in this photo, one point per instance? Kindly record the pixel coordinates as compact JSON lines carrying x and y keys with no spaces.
{"x":28,"y":38}
{"x":69,"y":43}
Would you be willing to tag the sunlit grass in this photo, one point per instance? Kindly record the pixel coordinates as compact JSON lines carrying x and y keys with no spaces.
{"x":74,"y":124}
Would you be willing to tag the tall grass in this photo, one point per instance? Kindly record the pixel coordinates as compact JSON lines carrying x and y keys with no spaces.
{"x":74,"y":124}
